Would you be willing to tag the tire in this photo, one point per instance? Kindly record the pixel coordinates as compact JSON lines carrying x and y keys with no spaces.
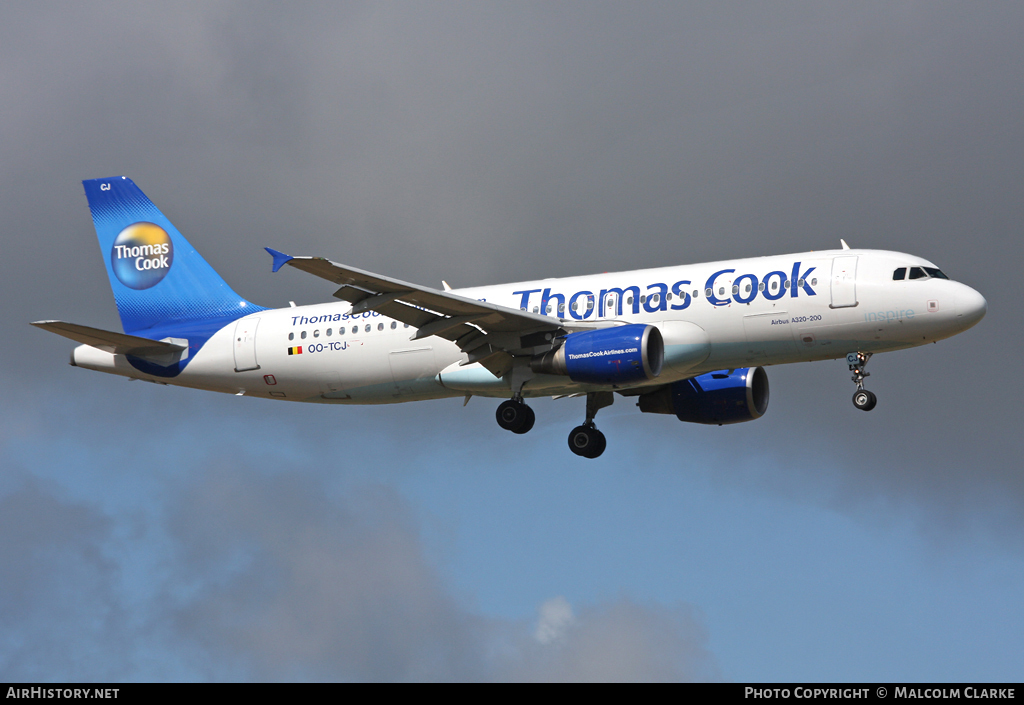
{"x":528,"y":421}
{"x":512,"y":415}
{"x":864,"y":400}
{"x":587,"y":442}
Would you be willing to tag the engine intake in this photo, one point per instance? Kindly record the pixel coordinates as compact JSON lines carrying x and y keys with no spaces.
{"x":620,"y":355}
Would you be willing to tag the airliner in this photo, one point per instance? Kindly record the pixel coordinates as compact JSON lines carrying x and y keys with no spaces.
{"x":691,"y":340}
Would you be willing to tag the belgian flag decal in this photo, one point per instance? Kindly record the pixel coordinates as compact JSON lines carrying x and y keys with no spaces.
{"x":295,"y":351}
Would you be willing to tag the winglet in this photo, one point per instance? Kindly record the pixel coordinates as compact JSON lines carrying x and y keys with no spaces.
{"x":280,"y":259}
{"x":842,"y":241}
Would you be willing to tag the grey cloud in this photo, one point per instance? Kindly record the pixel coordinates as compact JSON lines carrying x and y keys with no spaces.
{"x":293,"y":583}
{"x":270,"y":577}
{"x":59,"y":610}
{"x":297,"y":585}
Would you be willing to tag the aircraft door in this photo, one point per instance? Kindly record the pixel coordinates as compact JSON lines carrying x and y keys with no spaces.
{"x":245,"y":344}
{"x":844,"y":282}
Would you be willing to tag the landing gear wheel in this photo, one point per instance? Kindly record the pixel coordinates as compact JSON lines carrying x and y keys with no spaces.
{"x":513,"y":415}
{"x":587,"y":441}
{"x":527,"y":422}
{"x":864,"y":400}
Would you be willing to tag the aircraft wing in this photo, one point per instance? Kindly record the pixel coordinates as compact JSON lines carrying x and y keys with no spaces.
{"x":108,"y":341}
{"x":488,"y":333}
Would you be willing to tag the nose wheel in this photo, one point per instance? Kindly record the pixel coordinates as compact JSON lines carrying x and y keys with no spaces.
{"x":862,"y":398}
{"x":515,"y":416}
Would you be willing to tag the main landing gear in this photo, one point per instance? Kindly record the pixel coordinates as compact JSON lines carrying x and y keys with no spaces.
{"x":586,"y":440}
{"x":515,"y":416}
{"x":862,"y":398}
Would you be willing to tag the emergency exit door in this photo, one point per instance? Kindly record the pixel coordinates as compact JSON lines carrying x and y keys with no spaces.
{"x":245,"y":344}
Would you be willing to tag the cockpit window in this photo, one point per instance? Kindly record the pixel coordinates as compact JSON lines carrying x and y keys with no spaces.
{"x":918,"y":273}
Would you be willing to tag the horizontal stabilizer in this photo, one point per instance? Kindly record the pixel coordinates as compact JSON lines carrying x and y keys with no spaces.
{"x":116,"y":343}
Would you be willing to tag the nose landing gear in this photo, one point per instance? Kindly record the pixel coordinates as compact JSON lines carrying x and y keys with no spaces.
{"x":586,"y":440}
{"x":862,"y":398}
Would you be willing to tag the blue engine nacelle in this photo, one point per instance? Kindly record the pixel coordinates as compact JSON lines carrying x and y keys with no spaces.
{"x":726,"y":396}
{"x":619,"y":355}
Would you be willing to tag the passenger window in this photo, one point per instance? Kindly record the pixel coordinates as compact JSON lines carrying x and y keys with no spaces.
{"x":590,"y":304}
{"x":536,"y":309}
{"x":328,"y":332}
{"x":367,"y":329}
{"x":708,"y":292}
{"x":735,"y":289}
{"x":655,"y":298}
{"x":316,"y":334}
{"x":394,"y":324}
{"x":775,"y":285}
{"x":721,"y":291}
{"x":380,"y":326}
{"x":800,"y":282}
{"x":302,"y":335}
{"x":341,"y":331}
{"x":291,"y":336}
{"x":668,"y":296}
{"x":561,"y":308}
{"x":748,"y":288}
{"x":760,"y":287}
{"x":900,"y":274}
{"x":814,"y":282}
{"x":917,"y":273}
{"x":696,"y":294}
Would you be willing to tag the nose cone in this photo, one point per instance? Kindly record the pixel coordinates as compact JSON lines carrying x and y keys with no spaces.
{"x":970,"y":307}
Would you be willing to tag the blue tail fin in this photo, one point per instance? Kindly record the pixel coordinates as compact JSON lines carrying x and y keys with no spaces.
{"x":162,"y":286}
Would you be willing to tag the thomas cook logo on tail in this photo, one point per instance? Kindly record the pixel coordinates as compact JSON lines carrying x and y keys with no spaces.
{"x":142,"y":255}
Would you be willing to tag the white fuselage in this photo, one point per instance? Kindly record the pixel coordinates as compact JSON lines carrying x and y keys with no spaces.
{"x":834,"y":302}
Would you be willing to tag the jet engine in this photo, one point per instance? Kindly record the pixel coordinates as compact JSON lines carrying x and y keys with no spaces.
{"x":725,"y":396}
{"x":619,"y":355}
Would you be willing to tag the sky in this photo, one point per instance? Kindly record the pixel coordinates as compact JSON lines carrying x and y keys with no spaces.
{"x":155,"y":533}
